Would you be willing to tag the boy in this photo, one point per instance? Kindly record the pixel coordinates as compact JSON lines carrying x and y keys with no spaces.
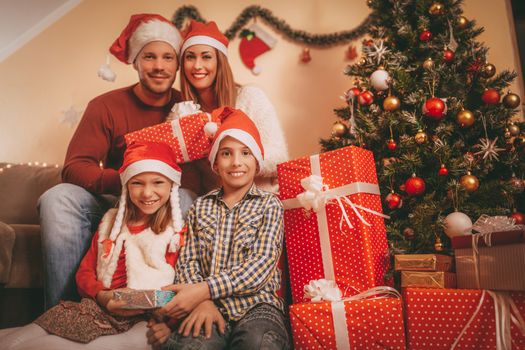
{"x":234,"y":241}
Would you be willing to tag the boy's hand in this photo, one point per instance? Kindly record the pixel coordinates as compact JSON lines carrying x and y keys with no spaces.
{"x":187,"y":297}
{"x":105,"y":299}
{"x":158,"y":333}
{"x":206,"y":313}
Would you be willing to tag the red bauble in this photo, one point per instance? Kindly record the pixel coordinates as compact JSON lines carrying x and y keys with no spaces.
{"x":448,"y":55}
{"x":391,"y":144}
{"x":356,"y":91}
{"x":435,"y":108}
{"x":393,"y":200}
{"x":518,"y":217}
{"x":365,"y":98}
{"x":443,"y":171}
{"x":491,"y":96}
{"x":425,"y":35}
{"x":415,"y":186}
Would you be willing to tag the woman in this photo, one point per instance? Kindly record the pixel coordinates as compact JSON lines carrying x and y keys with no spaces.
{"x":207,"y":79}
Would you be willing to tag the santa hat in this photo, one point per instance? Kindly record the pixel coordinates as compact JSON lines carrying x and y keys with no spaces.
{"x":255,"y":41}
{"x":236,"y":124}
{"x":155,"y":157}
{"x":141,"y":30}
{"x":206,"y":34}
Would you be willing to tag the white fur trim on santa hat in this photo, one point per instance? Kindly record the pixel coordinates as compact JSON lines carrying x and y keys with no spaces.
{"x":150,"y":165}
{"x":205,"y":40}
{"x":243,"y":137}
{"x":150,"y":31}
{"x":263,"y":35}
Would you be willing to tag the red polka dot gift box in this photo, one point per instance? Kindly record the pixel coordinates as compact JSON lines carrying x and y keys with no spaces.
{"x":334,"y":226}
{"x":185,"y":134}
{"x":440,"y":319}
{"x":356,"y":325}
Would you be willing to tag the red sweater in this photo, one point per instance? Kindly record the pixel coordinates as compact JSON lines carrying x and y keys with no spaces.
{"x":86,"y":277}
{"x":100,"y":137}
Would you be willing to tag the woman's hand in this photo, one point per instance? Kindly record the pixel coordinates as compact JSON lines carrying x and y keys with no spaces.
{"x":206,"y":313}
{"x":115,"y":307}
{"x":157,"y":334}
{"x":186,"y":299}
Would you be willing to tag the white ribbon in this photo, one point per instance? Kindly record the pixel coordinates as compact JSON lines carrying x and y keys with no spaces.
{"x":317,"y":196}
{"x":185,"y":108}
{"x":325,"y":290}
{"x":177,"y":131}
{"x":505,"y":312}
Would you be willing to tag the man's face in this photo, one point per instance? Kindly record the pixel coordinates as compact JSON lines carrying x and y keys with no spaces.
{"x":157,"y":66}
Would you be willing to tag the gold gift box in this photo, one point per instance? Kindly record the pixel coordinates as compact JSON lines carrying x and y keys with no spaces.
{"x":423,"y":262}
{"x":433,"y":279}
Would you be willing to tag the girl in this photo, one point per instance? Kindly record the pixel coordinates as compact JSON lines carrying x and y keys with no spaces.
{"x":206,"y":78}
{"x":135,"y":246}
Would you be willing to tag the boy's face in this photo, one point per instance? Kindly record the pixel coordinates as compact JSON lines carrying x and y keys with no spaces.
{"x":235,"y":164}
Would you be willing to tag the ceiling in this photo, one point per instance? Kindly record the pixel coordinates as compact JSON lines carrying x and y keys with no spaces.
{"x":22,"y":20}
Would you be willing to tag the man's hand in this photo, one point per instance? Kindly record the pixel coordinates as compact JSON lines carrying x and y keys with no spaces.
{"x":158,"y":333}
{"x":206,"y":313}
{"x":187,"y":297}
{"x":105,"y":299}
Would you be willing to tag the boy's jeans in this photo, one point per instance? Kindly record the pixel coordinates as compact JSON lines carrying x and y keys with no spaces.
{"x":263,"y":327}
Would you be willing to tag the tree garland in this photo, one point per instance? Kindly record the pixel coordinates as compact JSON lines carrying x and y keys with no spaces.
{"x":280,"y":26}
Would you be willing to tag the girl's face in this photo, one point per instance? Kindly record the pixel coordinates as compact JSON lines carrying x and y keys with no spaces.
{"x":200,"y":66}
{"x":149,"y":192}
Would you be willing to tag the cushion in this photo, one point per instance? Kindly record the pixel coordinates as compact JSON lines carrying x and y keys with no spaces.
{"x":7,"y":242}
{"x":20,"y":188}
{"x":26,"y":265}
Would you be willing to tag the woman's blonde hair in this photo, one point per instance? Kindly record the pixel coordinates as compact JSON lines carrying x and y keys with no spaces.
{"x":223,"y":86}
{"x":158,"y":221}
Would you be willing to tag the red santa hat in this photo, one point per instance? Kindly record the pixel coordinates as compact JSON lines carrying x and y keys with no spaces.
{"x":141,"y":157}
{"x":140,"y":31}
{"x":255,"y":41}
{"x":236,"y":124}
{"x":206,"y":34}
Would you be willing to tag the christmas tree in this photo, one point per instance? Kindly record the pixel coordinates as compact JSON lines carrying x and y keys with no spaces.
{"x":439,"y":120}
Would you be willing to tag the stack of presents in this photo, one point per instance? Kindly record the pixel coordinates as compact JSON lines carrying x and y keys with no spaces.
{"x":337,"y":255}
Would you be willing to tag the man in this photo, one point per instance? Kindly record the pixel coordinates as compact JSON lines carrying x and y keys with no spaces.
{"x":70,"y":212}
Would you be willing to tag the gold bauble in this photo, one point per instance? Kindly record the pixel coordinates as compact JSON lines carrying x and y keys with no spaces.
{"x":428,"y":64}
{"x":469,"y":182}
{"x":436,"y":8}
{"x":465,"y":118}
{"x":514,"y":129}
{"x":339,"y":129}
{"x":421,"y":137}
{"x":362,"y":61}
{"x":507,"y":135}
{"x":488,"y":70}
{"x":462,"y":22}
{"x":511,"y":100}
{"x":438,"y":245}
{"x":391,"y":103}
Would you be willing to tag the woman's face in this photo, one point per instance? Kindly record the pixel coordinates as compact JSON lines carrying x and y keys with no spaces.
{"x":200,"y":66}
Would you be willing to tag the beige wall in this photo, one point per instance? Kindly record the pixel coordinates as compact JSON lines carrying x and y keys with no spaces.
{"x":58,"y":68}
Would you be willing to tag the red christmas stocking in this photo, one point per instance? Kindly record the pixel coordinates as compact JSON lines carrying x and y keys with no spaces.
{"x":255,"y":41}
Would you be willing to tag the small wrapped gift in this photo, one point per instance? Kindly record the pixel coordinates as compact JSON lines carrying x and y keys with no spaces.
{"x":143,"y":299}
{"x":188,"y":132}
{"x":493,"y":258}
{"x":423,"y":262}
{"x":428,"y":279}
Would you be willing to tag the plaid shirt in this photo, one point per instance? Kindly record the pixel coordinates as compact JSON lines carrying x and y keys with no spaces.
{"x":235,"y":250}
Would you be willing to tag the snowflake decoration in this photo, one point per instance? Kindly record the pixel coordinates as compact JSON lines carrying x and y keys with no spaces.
{"x":377,"y":51}
{"x":488,"y":149}
{"x":70,"y":116}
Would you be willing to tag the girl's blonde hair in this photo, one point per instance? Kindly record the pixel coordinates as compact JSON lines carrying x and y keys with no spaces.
{"x":158,"y":221}
{"x":223,"y":86}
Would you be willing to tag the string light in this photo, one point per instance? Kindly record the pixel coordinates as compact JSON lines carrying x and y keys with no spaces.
{"x":32,"y":164}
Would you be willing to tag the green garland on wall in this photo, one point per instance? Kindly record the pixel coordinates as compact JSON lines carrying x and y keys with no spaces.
{"x":279,"y":25}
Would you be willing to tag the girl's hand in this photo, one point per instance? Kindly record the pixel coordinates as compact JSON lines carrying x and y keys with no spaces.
{"x":186,"y":299}
{"x":115,"y":307}
{"x":206,"y":313}
{"x":158,"y":333}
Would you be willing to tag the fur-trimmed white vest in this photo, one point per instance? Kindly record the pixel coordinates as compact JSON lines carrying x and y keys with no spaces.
{"x":146,"y":266}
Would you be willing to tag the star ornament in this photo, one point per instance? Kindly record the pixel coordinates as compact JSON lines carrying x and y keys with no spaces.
{"x":70,"y":116}
{"x":488,"y":149}
{"x":378,"y":51}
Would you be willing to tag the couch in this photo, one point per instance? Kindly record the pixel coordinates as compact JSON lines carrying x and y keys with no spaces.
{"x":21,"y":293}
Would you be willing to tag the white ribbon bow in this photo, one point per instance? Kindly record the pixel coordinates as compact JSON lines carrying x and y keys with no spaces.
{"x":184,"y":108}
{"x":323,"y":289}
{"x":314,"y":197}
